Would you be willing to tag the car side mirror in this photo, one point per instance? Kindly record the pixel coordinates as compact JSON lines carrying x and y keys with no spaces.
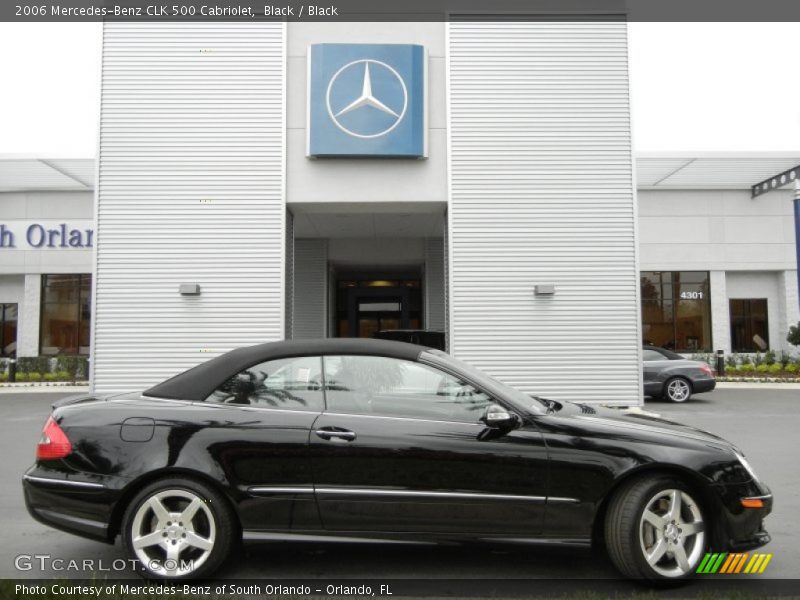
{"x":498,"y":417}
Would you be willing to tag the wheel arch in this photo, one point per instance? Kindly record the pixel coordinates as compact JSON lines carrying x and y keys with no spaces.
{"x":696,"y":482}
{"x":133,"y":488}
{"x":678,"y":375}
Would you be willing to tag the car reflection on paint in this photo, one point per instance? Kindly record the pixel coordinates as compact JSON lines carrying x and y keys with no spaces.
{"x":380,"y":440}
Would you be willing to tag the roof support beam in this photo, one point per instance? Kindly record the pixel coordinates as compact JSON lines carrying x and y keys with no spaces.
{"x":772,"y":183}
{"x":671,"y":173}
{"x":65,"y":173}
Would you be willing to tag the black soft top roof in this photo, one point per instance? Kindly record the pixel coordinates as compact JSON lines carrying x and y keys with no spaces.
{"x":199,"y":382}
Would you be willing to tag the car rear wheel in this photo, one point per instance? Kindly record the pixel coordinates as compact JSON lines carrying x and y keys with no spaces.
{"x":677,"y":389}
{"x":178,"y":528}
{"x":655,"y":529}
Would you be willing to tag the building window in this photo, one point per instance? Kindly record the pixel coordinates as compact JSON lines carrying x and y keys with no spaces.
{"x":676,"y":310}
{"x":8,"y":330}
{"x":66,"y":314}
{"x":749,"y":325}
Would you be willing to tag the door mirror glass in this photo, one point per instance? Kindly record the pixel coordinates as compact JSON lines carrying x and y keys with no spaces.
{"x":498,"y":417}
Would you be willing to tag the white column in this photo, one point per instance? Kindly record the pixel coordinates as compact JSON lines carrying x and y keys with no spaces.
{"x":720,"y":313}
{"x":29,"y":318}
{"x":789,"y":309}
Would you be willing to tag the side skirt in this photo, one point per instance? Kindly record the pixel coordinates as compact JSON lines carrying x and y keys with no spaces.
{"x":336,"y":537}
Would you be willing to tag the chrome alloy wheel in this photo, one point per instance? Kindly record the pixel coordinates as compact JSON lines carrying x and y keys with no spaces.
{"x":672,"y":533}
{"x":173,"y":532}
{"x":678,"y":390}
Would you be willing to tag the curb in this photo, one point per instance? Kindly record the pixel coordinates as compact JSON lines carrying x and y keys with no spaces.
{"x":757,"y":384}
{"x":30,"y":388}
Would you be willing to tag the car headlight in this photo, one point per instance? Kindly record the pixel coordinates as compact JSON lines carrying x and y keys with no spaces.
{"x":747,"y":466}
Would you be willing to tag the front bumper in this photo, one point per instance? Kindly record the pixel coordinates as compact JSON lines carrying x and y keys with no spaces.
{"x":743,"y":528}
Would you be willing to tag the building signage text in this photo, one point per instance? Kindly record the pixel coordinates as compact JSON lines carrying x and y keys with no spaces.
{"x":41,"y":235}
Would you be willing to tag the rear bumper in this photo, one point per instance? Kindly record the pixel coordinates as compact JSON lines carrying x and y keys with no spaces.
{"x":703,"y":385}
{"x":77,"y":507}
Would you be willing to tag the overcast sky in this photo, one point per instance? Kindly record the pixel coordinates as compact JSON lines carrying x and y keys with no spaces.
{"x":694,"y":87}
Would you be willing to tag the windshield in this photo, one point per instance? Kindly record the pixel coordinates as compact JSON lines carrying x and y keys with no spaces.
{"x":489,"y":383}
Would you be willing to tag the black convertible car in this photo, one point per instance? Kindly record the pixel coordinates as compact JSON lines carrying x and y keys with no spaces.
{"x":371,"y":439}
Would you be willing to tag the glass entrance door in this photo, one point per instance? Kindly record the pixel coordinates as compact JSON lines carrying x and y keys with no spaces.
{"x":379,"y":315}
{"x":368,"y":303}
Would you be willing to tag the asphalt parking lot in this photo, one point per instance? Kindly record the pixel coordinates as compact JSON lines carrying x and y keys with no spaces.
{"x":763,"y":422}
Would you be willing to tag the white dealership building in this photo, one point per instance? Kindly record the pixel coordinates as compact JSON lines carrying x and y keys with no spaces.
{"x":261,"y":181}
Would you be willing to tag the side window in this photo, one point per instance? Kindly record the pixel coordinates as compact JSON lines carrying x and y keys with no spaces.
{"x":287,"y":383}
{"x":375,"y":385}
{"x":650,"y":355}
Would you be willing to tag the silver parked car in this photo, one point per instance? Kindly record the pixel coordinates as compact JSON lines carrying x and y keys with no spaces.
{"x":671,"y":376}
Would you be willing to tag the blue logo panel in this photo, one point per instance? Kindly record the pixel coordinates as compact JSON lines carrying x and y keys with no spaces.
{"x":367,"y":100}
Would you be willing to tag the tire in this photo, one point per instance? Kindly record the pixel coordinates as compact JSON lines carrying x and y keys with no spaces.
{"x":178,"y":528}
{"x":646,"y":538}
{"x":677,"y":389}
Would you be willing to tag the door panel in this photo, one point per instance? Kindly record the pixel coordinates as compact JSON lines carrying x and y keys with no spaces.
{"x":257,"y":426}
{"x":399,"y":474}
{"x":429,"y":465}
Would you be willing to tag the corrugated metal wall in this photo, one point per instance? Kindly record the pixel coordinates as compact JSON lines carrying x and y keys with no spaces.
{"x":434,"y":284}
{"x":289,"y":274}
{"x":190,"y":191}
{"x":310,"y":289}
{"x":542,"y":192}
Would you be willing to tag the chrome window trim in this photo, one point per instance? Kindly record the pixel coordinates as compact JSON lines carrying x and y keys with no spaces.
{"x":338,"y":414}
{"x":65,"y":482}
{"x":253,"y":407}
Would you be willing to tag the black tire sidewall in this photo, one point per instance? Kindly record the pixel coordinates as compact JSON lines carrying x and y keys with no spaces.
{"x":217,"y":504}
{"x":639,"y":495}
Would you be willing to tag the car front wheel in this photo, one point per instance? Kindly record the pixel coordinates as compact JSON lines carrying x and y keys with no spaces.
{"x":655,"y":529}
{"x":677,"y":389}
{"x":178,"y":528}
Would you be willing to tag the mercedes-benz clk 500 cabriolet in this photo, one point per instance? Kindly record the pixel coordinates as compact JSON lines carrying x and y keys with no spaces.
{"x":369,"y":439}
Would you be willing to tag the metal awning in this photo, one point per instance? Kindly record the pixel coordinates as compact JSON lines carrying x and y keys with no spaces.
{"x":723,"y":171}
{"x":28,"y":174}
{"x":654,"y":171}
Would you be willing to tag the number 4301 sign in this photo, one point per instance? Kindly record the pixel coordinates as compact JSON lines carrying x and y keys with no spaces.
{"x":691,"y":295}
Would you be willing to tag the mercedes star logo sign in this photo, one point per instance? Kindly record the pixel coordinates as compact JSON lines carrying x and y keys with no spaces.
{"x":367,"y":98}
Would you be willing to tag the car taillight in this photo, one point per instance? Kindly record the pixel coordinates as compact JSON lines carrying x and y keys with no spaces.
{"x":54,"y":443}
{"x":707,"y":370}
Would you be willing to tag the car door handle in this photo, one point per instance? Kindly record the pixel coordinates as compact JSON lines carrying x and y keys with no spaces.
{"x":336,"y":435}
